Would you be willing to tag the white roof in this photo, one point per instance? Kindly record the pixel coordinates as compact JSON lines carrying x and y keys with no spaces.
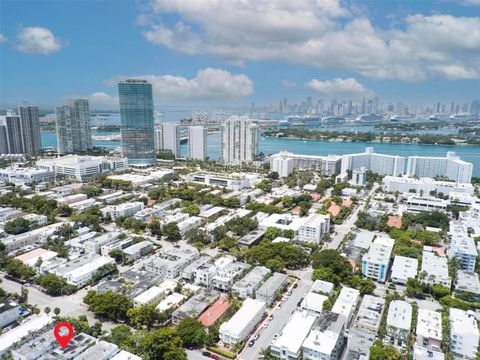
{"x":30,"y":258}
{"x":295,"y":332}
{"x":313,"y":301}
{"x":429,"y":324}
{"x":170,"y":301}
{"x":434,"y":264}
{"x":10,"y":337}
{"x":125,"y":355}
{"x":363,"y":239}
{"x":380,"y":250}
{"x":404,"y":267}
{"x":242,"y":317}
{"x":400,"y":315}
{"x":463,"y":322}
{"x":321,"y":286}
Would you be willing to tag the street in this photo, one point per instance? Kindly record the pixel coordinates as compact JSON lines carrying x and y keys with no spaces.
{"x":71,"y":305}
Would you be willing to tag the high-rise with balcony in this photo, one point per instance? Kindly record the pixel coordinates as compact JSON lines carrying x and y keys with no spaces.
{"x":197,"y":142}
{"x":239,"y":140}
{"x":137,"y":122}
{"x":20,"y":134}
{"x":73,"y":127}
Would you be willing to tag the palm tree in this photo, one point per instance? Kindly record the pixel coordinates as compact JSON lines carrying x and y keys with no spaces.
{"x":56,"y":311}
{"x":47,"y":310}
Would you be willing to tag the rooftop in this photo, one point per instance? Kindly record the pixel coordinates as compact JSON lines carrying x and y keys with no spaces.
{"x":429,"y":324}
{"x":214,"y":312}
{"x":400,"y":315}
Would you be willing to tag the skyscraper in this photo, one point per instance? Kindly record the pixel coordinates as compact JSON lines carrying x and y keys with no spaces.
{"x":73,"y":127}
{"x":158,"y":140}
{"x":137,"y":121}
{"x":171,"y":138}
{"x":30,"y":129}
{"x":197,"y":142}
{"x":13,"y":133}
{"x":239,"y":140}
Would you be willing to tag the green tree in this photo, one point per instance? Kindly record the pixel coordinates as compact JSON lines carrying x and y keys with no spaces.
{"x":121,"y":335}
{"x":162,"y":344}
{"x":108,"y":304}
{"x":198,"y":236}
{"x":47,"y":310}
{"x":333,"y":260}
{"x":171,"y":231}
{"x":276,"y":265}
{"x":192,"y":210}
{"x":55,"y":285}
{"x":143,"y":316}
{"x":155,"y":228}
{"x":56,"y":311}
{"x":325,"y":274}
{"x":191,"y":332}
{"x":17,"y":226}
{"x":117,"y":255}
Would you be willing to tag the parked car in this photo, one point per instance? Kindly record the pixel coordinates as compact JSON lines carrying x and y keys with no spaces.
{"x":275,"y":337}
{"x":206,"y":353}
{"x":251,"y":343}
{"x":270,"y":317}
{"x":295,"y":285}
{"x":256,"y":337}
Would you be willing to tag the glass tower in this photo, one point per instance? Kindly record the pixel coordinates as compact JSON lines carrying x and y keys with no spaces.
{"x":137,"y":121}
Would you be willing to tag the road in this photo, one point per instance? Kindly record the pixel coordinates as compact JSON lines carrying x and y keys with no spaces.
{"x":71,"y":305}
{"x":281,"y":317}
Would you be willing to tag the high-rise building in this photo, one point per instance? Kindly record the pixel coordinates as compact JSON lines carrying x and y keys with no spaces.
{"x":197,"y":142}
{"x":137,"y":121}
{"x":158,"y":140}
{"x":378,"y":163}
{"x":30,"y":129}
{"x":73,"y":127}
{"x":3,"y":138}
{"x":13,"y":133}
{"x":239,"y":140}
{"x":171,"y":138}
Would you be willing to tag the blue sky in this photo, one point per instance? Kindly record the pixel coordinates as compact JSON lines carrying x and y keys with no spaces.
{"x":233,"y":53}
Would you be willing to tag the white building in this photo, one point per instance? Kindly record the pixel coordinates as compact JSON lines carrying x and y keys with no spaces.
{"x":138,"y":250}
{"x":123,"y":210}
{"x":376,"y":163}
{"x":197,"y":142}
{"x":289,"y":344}
{"x":191,"y":223}
{"x":313,"y":303}
{"x":313,"y":228}
{"x":326,"y":339}
{"x":346,"y":302}
{"x":9,"y":312}
{"x":376,"y":261}
{"x":158,"y":139}
{"x":464,"y":334}
{"x":403,"y":268}
{"x":429,"y":329}
{"x":34,"y":237}
{"x":322,"y":287}
{"x":399,"y":320}
{"x":434,"y":269}
{"x":81,"y":167}
{"x":22,"y":175}
{"x":285,"y":162}
{"x":230,"y":181}
{"x":363,"y":333}
{"x":426,"y":203}
{"x":171,"y":262}
{"x":462,"y":246}
{"x":247,"y":286}
{"x":170,"y":301}
{"x":424,"y":186}
{"x":359,"y":176}
{"x":242,"y":323}
{"x":239,"y":140}
{"x":450,"y":166}
{"x":80,"y":271}
{"x":171,"y":138}
{"x":155,"y":293}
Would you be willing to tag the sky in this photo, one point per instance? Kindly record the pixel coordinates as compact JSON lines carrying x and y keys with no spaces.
{"x":232,"y":53}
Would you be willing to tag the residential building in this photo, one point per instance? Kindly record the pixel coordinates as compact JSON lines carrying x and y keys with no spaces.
{"x":239,"y":140}
{"x":122,"y":210}
{"x":226,"y":275}
{"x":426,"y":203}
{"x":170,"y":263}
{"x":153,"y":295}
{"x":214,"y":312}
{"x":464,"y":334}
{"x":20,"y":134}
{"x":462,"y":246}
{"x":80,"y":271}
{"x":30,"y":123}
{"x":73,"y":127}
{"x":137,"y":121}
{"x":289,"y":344}
{"x":230,"y":181}
{"x":247,"y":286}
{"x":359,"y":177}
{"x":363,"y":333}
{"x":313,"y":228}
{"x":434,"y":269}
{"x":403,"y":268}
{"x":158,"y":139}
{"x":188,"y":272}
{"x":25,"y":175}
{"x":346,"y":303}
{"x":326,"y":339}
{"x":267,"y":292}
{"x":171,"y":138}
{"x":399,"y":320}
{"x":377,"y":163}
{"x":9,"y":312}
{"x":451,"y":167}
{"x":313,"y":303}
{"x":468,"y":281}
{"x":429,"y":329}
{"x":34,"y":238}
{"x":239,"y":326}
{"x":376,"y":261}
{"x":285,"y":162}
{"x":138,"y":250}
{"x":424,"y":186}
{"x":322,"y":287}
{"x":171,"y":301}
{"x":81,"y":167}
{"x":197,"y":142}
{"x":196,"y":305}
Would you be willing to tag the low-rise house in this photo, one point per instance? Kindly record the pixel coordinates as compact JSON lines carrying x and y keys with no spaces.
{"x":243,"y":322}
{"x":196,"y":305}
{"x":403,"y":268}
{"x":429,"y":329}
{"x":326,"y":339}
{"x":153,"y":295}
{"x":9,"y":312}
{"x":138,"y":250}
{"x":313,"y":303}
{"x":214,"y":312}
{"x":247,"y":286}
{"x":171,"y":301}
{"x":467,"y":282}
{"x":434,"y":269}
{"x":399,"y":320}
{"x":322,"y":287}
{"x":346,"y":303}
{"x":226,"y":276}
{"x":34,"y":238}
{"x":268,"y":291}
{"x":122,"y":210}
{"x":363,"y":333}
{"x":188,"y":272}
{"x":464,"y":334}
{"x":31,"y":258}
{"x":191,"y":223}
{"x":251,"y":238}
{"x":289,"y":344}
{"x":171,"y":262}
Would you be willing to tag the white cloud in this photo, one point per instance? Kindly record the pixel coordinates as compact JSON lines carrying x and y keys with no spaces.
{"x":3,"y":38}
{"x":347,"y":88}
{"x":323,"y":34}
{"x":208,"y":84}
{"x":37,"y":40}
{"x":289,"y":83}
{"x":102,"y":101}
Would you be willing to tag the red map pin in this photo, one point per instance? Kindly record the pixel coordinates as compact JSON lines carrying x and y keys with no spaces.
{"x":63,"y":340}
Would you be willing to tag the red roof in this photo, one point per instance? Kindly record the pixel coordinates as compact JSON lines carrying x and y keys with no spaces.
{"x":315,"y":196}
{"x":394,"y":221}
{"x":214,"y":312}
{"x":151,"y":202}
{"x":334,"y":209}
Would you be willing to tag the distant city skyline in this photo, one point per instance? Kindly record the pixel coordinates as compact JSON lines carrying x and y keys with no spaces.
{"x":242,"y":54}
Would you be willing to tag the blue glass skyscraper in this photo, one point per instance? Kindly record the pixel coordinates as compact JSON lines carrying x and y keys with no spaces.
{"x":137,"y":121}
